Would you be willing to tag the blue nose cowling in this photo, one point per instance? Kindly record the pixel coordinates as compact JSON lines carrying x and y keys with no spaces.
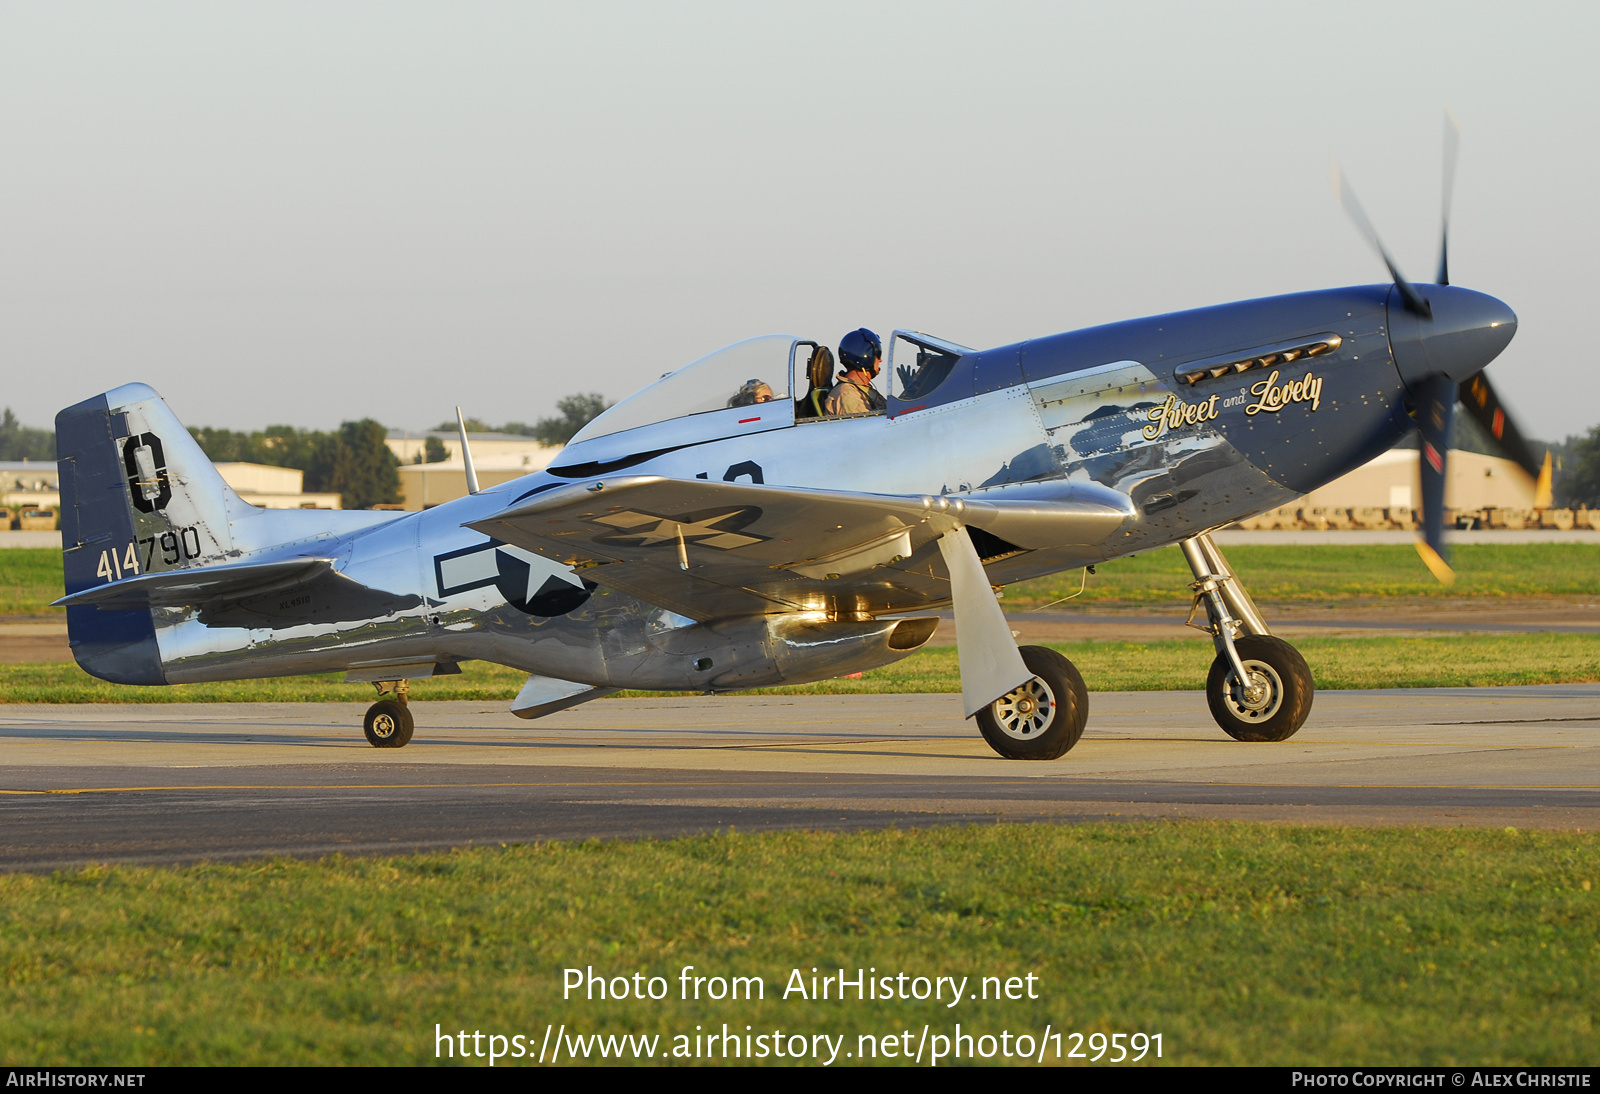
{"x":1467,"y":331}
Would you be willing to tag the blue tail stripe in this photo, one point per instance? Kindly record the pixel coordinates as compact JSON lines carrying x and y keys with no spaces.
{"x":118,"y":646}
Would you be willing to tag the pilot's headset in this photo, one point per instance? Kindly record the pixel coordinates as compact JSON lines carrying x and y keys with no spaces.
{"x":860,"y":349}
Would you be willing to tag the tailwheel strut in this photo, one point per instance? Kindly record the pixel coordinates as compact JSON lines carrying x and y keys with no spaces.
{"x":388,"y":723}
{"x":1259,"y":687}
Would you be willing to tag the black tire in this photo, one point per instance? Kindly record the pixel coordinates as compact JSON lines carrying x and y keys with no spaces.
{"x":1045,"y":717}
{"x":1281,"y":711}
{"x":388,"y":724}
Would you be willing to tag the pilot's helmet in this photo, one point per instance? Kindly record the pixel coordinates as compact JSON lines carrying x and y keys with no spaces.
{"x":859,"y":349}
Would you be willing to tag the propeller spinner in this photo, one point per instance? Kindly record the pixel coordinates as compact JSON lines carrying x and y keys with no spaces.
{"x":1442,"y":338}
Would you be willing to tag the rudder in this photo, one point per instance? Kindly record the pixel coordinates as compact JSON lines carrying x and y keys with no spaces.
{"x":137,"y":496}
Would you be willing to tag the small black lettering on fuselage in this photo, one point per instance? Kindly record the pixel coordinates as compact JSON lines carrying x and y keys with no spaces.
{"x":740,"y":470}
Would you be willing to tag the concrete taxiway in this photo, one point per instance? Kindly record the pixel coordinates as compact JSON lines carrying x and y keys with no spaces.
{"x":183,"y":782}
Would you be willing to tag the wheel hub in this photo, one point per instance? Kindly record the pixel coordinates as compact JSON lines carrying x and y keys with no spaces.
{"x":383,"y":726}
{"x":1259,"y":696}
{"x":1257,"y":691}
{"x":1026,"y":712}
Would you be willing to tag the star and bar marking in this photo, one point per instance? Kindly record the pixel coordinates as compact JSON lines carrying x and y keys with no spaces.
{"x":638,"y":529}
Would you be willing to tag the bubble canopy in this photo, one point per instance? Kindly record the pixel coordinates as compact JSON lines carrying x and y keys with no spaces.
{"x":742,"y":374}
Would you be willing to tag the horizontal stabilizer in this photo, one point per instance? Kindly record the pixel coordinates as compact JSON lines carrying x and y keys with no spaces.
{"x":182,"y":588}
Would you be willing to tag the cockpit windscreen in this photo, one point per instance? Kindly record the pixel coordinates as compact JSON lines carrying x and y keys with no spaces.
{"x":746,"y":373}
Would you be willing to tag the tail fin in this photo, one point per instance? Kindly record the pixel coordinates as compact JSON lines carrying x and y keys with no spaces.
{"x":137,"y":496}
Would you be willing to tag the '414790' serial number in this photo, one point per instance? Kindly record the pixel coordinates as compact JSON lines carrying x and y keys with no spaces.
{"x":180,"y":544}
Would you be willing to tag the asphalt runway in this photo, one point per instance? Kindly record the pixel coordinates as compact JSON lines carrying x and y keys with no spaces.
{"x":162,"y":783}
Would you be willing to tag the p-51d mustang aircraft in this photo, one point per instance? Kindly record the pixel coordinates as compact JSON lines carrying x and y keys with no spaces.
{"x":693,"y":538}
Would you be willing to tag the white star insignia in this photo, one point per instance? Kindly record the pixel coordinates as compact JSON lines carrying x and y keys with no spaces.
{"x":649,"y":529}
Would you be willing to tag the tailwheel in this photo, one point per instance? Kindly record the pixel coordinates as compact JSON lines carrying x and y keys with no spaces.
{"x":388,"y":724}
{"x":1043,"y":718}
{"x":1275,"y":699}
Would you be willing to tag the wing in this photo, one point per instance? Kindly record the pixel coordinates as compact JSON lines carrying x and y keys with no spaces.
{"x":709,"y":550}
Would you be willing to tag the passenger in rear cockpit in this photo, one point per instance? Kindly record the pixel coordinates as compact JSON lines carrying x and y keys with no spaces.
{"x":861,"y":353}
{"x":752,"y":392}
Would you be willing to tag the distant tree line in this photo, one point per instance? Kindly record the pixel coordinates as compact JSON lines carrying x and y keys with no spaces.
{"x":352,"y":461}
{"x":1577,"y":470}
{"x":574,"y":412}
{"x":355,"y":462}
{"x":18,"y":442}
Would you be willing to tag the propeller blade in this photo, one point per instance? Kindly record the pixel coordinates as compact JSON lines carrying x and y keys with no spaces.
{"x":1437,"y":406}
{"x":1413,"y":300}
{"x":1452,"y":140}
{"x":1481,"y":401}
{"x":1544,"y":485}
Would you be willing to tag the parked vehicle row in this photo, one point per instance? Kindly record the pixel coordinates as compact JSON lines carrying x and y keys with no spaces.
{"x":28,"y":518}
{"x":1322,"y":519}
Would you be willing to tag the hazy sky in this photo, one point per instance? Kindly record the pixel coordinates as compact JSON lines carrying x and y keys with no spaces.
{"x":308,"y":213}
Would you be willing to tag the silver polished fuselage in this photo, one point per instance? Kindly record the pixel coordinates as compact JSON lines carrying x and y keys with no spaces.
{"x":1095,"y":427}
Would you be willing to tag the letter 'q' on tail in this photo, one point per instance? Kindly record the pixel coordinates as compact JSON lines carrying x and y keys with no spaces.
{"x":138,"y":496}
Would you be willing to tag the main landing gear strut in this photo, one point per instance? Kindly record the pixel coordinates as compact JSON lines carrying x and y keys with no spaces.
{"x":1259,"y":688}
{"x":388,"y":722}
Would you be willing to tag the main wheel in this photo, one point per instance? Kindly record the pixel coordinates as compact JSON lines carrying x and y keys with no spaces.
{"x":1275,"y":700}
{"x":388,"y":724}
{"x":1044,"y":717}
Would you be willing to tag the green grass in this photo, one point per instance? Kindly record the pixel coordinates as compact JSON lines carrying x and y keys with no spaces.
{"x":1314,"y":574}
{"x":1168,"y":665}
{"x":1240,"y":944}
{"x":30,"y":578}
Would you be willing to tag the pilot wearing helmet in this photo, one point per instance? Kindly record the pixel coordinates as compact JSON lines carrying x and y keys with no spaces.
{"x":861,"y":353}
